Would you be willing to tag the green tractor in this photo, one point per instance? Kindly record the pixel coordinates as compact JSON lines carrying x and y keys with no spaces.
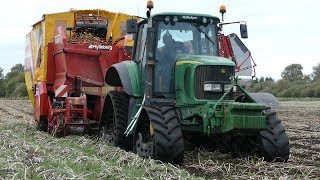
{"x":178,"y":90}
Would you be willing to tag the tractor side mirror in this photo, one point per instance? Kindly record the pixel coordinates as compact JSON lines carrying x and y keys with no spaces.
{"x":132,"y":26}
{"x":243,"y":31}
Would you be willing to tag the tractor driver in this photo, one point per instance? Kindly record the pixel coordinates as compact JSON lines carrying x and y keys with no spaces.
{"x":172,"y":47}
{"x":167,"y":59}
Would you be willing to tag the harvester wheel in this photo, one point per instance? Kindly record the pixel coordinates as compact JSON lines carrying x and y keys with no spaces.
{"x":159,"y":135}
{"x":114,"y":120}
{"x":274,"y":142}
{"x":59,"y":128}
{"x":42,"y":124}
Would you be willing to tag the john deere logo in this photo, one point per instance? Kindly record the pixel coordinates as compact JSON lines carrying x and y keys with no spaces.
{"x":189,"y":17}
{"x":223,"y":71}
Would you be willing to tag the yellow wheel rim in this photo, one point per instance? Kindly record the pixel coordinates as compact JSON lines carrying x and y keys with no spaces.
{"x":151,"y":130}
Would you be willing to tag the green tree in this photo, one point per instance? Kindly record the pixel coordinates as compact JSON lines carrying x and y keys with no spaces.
{"x":261,"y":79}
{"x":316,"y":92}
{"x":307,"y":92}
{"x":269,"y":79}
{"x":316,"y":72}
{"x":281,"y":85}
{"x":20,"y":91}
{"x":14,"y":71}
{"x":293,"y":72}
{"x":2,"y":84}
{"x":1,"y":73}
{"x":307,"y":78}
{"x":293,"y":83}
{"x":15,"y":82}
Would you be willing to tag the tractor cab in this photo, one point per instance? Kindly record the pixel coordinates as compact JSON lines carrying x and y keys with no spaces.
{"x":178,"y":36}
{"x":174,"y":36}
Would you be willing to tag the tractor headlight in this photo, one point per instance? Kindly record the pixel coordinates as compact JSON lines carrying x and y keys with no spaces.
{"x":212,"y":87}
{"x":227,"y":87}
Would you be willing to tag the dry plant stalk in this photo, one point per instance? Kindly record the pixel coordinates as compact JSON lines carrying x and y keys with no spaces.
{"x":23,"y":152}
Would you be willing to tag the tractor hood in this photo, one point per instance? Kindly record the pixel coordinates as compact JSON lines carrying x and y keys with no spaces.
{"x":203,"y":60}
{"x":193,"y":71}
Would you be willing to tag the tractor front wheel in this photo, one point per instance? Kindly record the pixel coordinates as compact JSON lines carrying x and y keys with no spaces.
{"x":159,"y":135}
{"x":274,"y":142}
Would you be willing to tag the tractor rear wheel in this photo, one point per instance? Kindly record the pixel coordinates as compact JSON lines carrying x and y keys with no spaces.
{"x":274,"y":142}
{"x":159,"y":135}
{"x":114,"y":120}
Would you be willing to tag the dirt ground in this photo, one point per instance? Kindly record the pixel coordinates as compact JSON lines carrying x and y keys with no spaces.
{"x":300,"y":118}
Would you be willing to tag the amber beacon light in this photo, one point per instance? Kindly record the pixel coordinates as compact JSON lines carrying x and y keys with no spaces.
{"x":223,"y":10}
{"x":150,"y":5}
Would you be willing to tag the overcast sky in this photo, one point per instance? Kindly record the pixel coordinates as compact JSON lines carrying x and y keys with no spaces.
{"x":280,"y":32}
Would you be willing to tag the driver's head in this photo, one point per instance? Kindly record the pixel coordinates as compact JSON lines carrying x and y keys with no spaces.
{"x":167,"y":39}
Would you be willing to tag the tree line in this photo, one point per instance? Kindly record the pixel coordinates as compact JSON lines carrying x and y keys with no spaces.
{"x":13,"y":83}
{"x":293,"y":83}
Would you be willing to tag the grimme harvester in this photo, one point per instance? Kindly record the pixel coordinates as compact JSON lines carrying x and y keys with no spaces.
{"x":153,"y":99}
{"x":67,"y":57}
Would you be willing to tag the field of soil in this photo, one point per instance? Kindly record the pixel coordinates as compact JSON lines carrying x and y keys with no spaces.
{"x":26,"y":153}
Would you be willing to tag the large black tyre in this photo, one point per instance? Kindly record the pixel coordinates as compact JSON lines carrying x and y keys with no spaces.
{"x":167,"y":139}
{"x":274,"y":142}
{"x":114,"y":120}
{"x":42,"y":124}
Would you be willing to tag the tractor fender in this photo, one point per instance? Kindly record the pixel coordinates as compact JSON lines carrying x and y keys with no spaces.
{"x":125,"y":74}
{"x":265,"y":98}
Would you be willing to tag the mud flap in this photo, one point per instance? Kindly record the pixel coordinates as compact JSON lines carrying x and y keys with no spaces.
{"x":266,"y":98}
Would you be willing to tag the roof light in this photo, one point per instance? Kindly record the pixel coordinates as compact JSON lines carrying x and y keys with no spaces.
{"x":167,"y":19}
{"x":175,"y":19}
{"x":223,"y":9}
{"x":150,"y":4}
{"x":204,"y":20}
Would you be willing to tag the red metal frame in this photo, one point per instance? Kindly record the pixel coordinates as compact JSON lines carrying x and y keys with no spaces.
{"x":225,"y":47}
{"x":80,"y":67}
{"x":227,"y":52}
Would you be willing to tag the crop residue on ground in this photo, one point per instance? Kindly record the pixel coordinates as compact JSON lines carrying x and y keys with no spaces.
{"x":27,"y":153}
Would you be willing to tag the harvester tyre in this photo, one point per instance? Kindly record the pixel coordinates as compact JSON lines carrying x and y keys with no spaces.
{"x":274,"y":142}
{"x":167,"y":138}
{"x":42,"y":125}
{"x":116,"y":116}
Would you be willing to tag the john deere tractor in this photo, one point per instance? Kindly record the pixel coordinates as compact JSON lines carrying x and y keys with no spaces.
{"x":186,"y":93}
